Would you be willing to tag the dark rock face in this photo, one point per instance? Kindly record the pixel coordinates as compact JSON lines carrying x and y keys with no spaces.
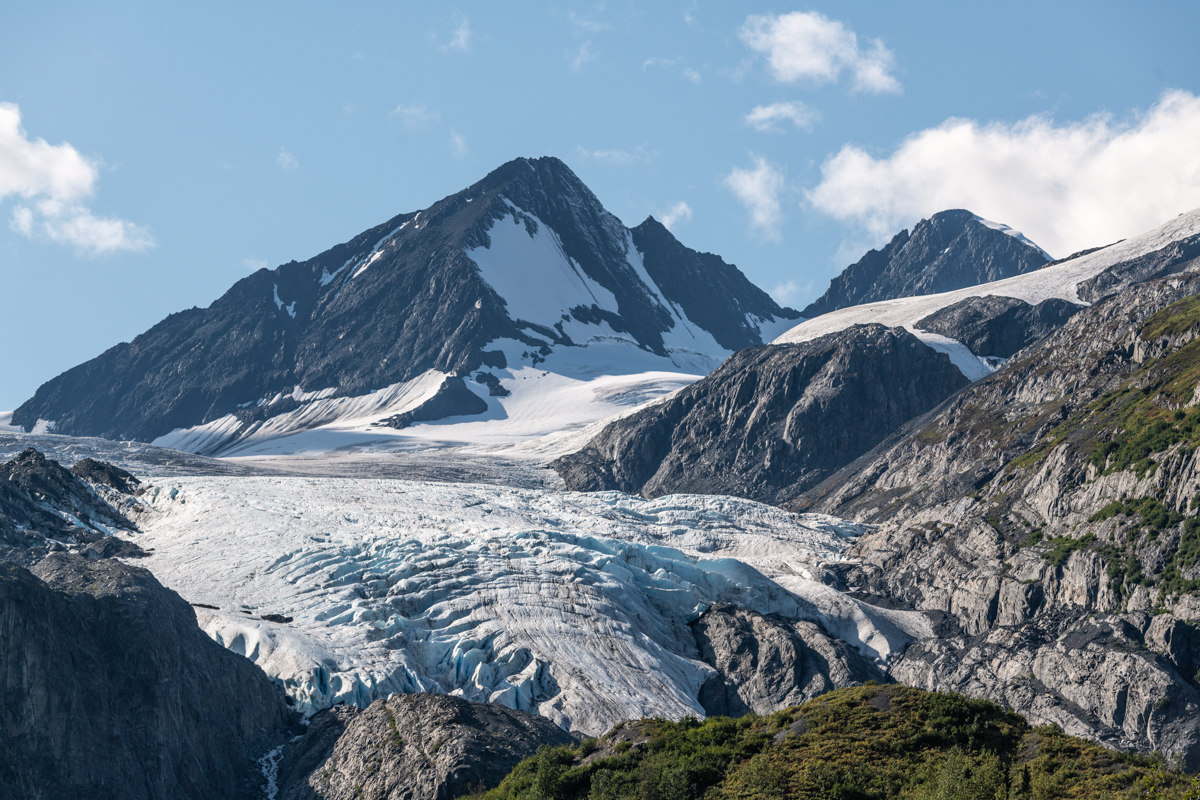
{"x":772,"y":420}
{"x":998,"y":326}
{"x":1050,"y":509}
{"x":417,"y":746}
{"x":950,"y":250}
{"x":767,"y":663}
{"x":393,"y":302}
{"x":1175,"y":257}
{"x":43,"y":506}
{"x":703,"y":285}
{"x":452,"y":399}
{"x":112,"y":691}
{"x":101,"y":472}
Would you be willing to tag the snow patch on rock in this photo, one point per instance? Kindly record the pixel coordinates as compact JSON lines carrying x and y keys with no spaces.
{"x":1057,"y":281}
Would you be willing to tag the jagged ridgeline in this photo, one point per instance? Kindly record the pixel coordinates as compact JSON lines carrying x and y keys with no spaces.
{"x":950,"y":250}
{"x":1052,"y":510}
{"x":864,"y":743}
{"x":523,"y":264}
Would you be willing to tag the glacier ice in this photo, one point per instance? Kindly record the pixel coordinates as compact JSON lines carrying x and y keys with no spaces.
{"x":575,"y":606}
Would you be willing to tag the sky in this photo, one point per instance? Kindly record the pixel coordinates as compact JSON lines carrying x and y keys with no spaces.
{"x":153,"y":154}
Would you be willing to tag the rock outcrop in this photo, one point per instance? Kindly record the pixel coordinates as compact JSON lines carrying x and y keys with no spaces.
{"x":45,"y":507}
{"x":112,"y":691}
{"x":765,"y":662}
{"x":997,"y":327}
{"x":1051,"y":510}
{"x":771,"y":421}
{"x":950,"y":250}
{"x":411,"y":747}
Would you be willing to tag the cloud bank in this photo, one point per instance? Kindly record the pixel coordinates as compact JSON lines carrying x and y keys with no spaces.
{"x":1067,"y":187}
{"x":807,"y":46}
{"x":52,"y":183}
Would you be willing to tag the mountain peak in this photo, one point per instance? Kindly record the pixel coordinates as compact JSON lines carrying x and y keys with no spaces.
{"x":523,"y":269}
{"x":952,"y":249}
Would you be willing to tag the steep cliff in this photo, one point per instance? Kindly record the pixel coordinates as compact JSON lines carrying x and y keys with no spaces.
{"x":1051,"y":509}
{"x":112,"y":691}
{"x":411,"y":747}
{"x":771,"y":421}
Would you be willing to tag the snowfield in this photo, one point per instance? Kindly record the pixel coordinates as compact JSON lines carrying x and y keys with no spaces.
{"x":554,"y":390}
{"x":1056,"y":281}
{"x":575,"y":606}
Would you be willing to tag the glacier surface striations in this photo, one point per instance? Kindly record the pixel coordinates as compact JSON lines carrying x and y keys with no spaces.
{"x":573,"y":606}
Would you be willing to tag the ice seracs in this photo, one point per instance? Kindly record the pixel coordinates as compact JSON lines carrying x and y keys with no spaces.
{"x":571,"y":605}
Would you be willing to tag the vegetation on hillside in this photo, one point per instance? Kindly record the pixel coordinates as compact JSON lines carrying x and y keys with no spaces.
{"x":860,"y":743}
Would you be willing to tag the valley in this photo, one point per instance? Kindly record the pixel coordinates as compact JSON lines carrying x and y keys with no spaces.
{"x":505,"y":464}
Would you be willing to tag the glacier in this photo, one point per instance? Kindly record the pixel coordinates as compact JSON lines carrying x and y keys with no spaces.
{"x":574,"y":606}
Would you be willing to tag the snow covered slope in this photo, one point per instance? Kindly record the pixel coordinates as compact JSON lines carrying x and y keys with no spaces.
{"x":572,"y":605}
{"x":1061,"y":281}
{"x":521,"y":266}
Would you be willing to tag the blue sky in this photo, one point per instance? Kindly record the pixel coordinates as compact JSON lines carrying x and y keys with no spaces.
{"x":152,"y":154}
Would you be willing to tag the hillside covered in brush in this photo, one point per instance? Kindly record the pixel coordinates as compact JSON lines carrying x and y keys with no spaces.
{"x":863,"y":743}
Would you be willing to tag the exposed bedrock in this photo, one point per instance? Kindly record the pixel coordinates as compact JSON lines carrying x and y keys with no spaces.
{"x":45,"y":507}
{"x":771,"y":421}
{"x":112,"y":691}
{"x":998,"y":326}
{"x":413,"y":746}
{"x":766,"y":662}
{"x":1051,"y":509}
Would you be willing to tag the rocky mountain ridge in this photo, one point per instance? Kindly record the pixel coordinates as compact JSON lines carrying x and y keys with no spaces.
{"x":1050,"y":510}
{"x":506,"y":271}
{"x":771,"y":421}
{"x":950,"y":250}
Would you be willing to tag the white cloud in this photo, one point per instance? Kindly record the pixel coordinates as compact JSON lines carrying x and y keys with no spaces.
{"x":764,"y":118}
{"x":657,"y":62}
{"x":680,"y":212}
{"x":416,"y":117}
{"x":692,"y":75}
{"x":458,"y":144}
{"x":461,"y":40}
{"x":758,"y":190}
{"x":286,"y":160}
{"x":53,"y":181}
{"x":582,"y":56}
{"x":616,"y":158}
{"x":689,"y":15}
{"x":811,"y":47}
{"x":789,"y":291}
{"x":1067,"y":187}
{"x":255,"y":264}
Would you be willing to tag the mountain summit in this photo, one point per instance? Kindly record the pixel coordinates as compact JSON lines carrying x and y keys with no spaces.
{"x":950,"y":250}
{"x":524,"y":264}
